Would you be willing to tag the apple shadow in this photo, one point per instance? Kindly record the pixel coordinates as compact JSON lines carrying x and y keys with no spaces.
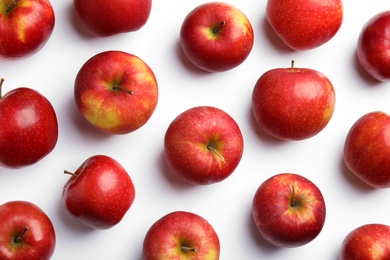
{"x":273,"y":38}
{"x":81,"y":124}
{"x":171,"y":178}
{"x":264,"y":137}
{"x":352,"y":179}
{"x":187,"y":64}
{"x":362,"y":73}
{"x":265,"y":246}
{"x":76,"y":23}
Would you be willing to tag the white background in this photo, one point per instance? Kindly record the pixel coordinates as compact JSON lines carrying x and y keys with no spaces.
{"x":226,"y":205}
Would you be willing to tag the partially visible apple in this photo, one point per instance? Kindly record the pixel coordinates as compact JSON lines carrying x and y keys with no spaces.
{"x":367,"y":242}
{"x":373,"y":50}
{"x":367,"y":149}
{"x":116,"y":92}
{"x":293,"y":103}
{"x":99,"y":193}
{"x":289,"y":210}
{"x":28,"y":127}
{"x":305,"y":24}
{"x":203,"y":145}
{"x":181,"y":235}
{"x":216,"y":36}
{"x":105,"y":18}
{"x":26,"y":232}
{"x":26,"y":26}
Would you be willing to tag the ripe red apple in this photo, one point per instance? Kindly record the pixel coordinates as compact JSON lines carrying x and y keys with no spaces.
{"x":116,"y":92}
{"x":305,"y":24}
{"x":289,"y":210}
{"x":367,"y":149}
{"x":367,"y":242}
{"x":293,"y":103}
{"x":28,"y":127}
{"x":216,"y":36}
{"x":181,"y":235}
{"x":99,"y":193}
{"x":26,"y":232}
{"x":373,"y":49}
{"x":203,"y":145}
{"x":105,"y":18}
{"x":26,"y":26}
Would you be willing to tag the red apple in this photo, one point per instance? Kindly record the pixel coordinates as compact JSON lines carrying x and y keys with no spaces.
{"x":305,"y":24}
{"x":26,"y":26}
{"x":288,"y":210}
{"x":367,"y":149}
{"x":181,"y":235}
{"x":293,"y":103}
{"x":203,"y":145}
{"x":116,"y":92}
{"x":26,"y":232}
{"x":99,"y":193}
{"x":105,"y":18}
{"x":373,"y":49}
{"x":367,"y":242}
{"x":28,"y":127}
{"x":216,"y":36}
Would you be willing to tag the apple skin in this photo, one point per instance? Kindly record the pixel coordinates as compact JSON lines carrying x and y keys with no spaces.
{"x":103,"y":18}
{"x":203,"y":145}
{"x":181,"y":235}
{"x":99,"y":193}
{"x":18,"y":243}
{"x":305,"y":24}
{"x":28,"y":127}
{"x":26,"y":26}
{"x":279,"y":221}
{"x":216,"y":36}
{"x":116,"y":92}
{"x":367,"y":149}
{"x":367,"y":242}
{"x":373,"y":48}
{"x":293,"y":103}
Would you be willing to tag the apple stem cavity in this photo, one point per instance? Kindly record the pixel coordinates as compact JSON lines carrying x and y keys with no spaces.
{"x":188,"y":249}
{"x":11,"y":5}
{"x":20,"y":237}
{"x":213,"y":150}
{"x":218,"y":27}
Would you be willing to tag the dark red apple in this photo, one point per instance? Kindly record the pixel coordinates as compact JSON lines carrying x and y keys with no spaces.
{"x":203,"y":145}
{"x":305,"y":24}
{"x":216,"y":36}
{"x":116,"y":92}
{"x":293,"y":103}
{"x":25,"y":27}
{"x":367,"y":149}
{"x":367,"y":242}
{"x":289,"y":210}
{"x":28,"y":127}
{"x":373,"y":50}
{"x":181,"y":235}
{"x":99,"y":193}
{"x":106,"y":18}
{"x":26,"y":232}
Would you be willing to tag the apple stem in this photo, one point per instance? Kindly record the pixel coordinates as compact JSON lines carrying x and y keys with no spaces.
{"x":1,"y":85}
{"x":11,"y":5}
{"x":218,"y":27}
{"x":71,"y":173}
{"x":116,"y":87}
{"x":212,"y":149}
{"x":293,"y":202}
{"x":20,"y":237}
{"x":292,"y":65}
{"x":188,"y":249}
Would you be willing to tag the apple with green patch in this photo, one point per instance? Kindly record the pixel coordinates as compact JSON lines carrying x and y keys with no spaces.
{"x":288,"y":210}
{"x":116,"y":92}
